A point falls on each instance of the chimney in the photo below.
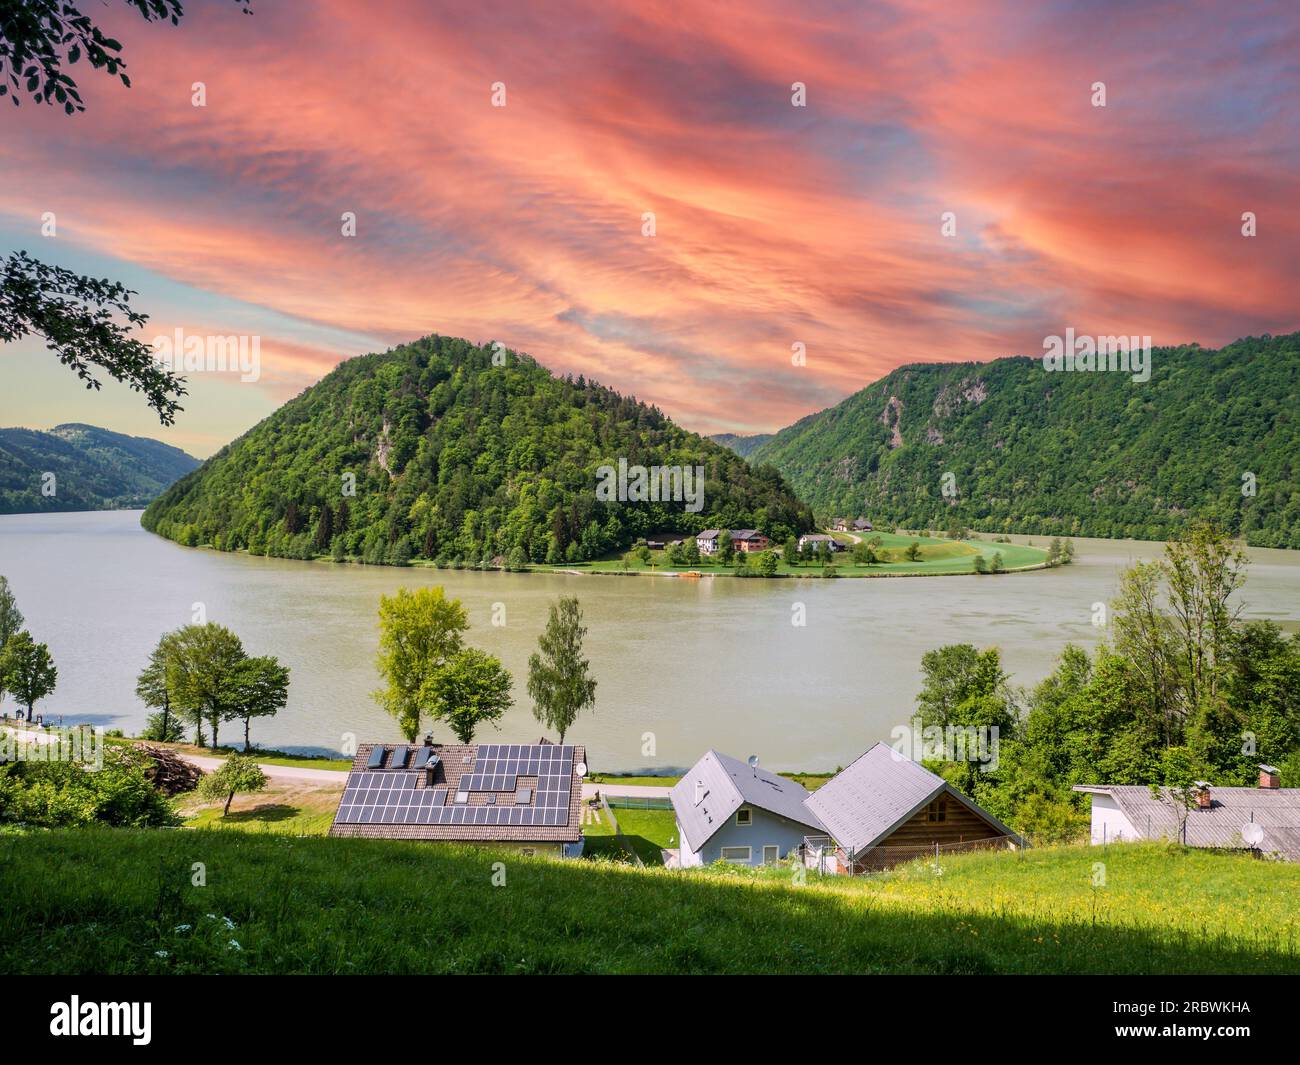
(1203, 798)
(428, 739)
(1269, 777)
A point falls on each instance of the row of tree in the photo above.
(1182, 690)
(200, 675)
(431, 675)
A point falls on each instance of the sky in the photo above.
(774, 225)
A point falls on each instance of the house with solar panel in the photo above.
(507, 795)
(731, 811)
(885, 809)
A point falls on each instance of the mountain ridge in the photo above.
(75, 466)
(1068, 453)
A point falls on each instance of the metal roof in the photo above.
(724, 785)
(866, 801)
(1152, 817)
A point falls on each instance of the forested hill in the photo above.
(82, 467)
(1090, 454)
(458, 459)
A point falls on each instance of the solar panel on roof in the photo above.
(376, 757)
(422, 757)
(399, 758)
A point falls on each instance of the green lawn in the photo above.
(648, 832)
(121, 901)
(939, 556)
(296, 808)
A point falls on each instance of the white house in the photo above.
(730, 811)
(1265, 818)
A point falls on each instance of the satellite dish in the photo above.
(581, 769)
(753, 761)
(1252, 833)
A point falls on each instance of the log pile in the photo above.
(168, 771)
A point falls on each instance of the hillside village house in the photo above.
(746, 540)
(735, 812)
(858, 525)
(883, 809)
(1265, 818)
(509, 795)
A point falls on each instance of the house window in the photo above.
(527, 852)
(744, 816)
(938, 810)
(739, 855)
(771, 854)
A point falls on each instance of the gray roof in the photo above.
(865, 802)
(1276, 810)
(727, 784)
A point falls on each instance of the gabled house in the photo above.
(731, 811)
(521, 796)
(707, 541)
(749, 540)
(862, 525)
(1264, 818)
(885, 809)
(746, 540)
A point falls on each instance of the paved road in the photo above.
(282, 772)
(207, 764)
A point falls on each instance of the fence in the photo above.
(637, 802)
(618, 833)
(821, 853)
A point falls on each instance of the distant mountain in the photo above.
(741, 445)
(92, 468)
(443, 449)
(1212, 434)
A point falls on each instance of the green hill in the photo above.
(455, 457)
(1083, 454)
(116, 901)
(94, 469)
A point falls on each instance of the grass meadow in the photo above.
(123, 901)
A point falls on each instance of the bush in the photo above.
(65, 794)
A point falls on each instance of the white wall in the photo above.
(1109, 825)
(686, 858)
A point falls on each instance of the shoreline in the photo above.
(570, 570)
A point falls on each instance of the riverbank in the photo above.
(935, 557)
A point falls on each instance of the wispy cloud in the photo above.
(774, 224)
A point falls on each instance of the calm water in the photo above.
(697, 663)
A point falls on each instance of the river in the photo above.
(682, 665)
